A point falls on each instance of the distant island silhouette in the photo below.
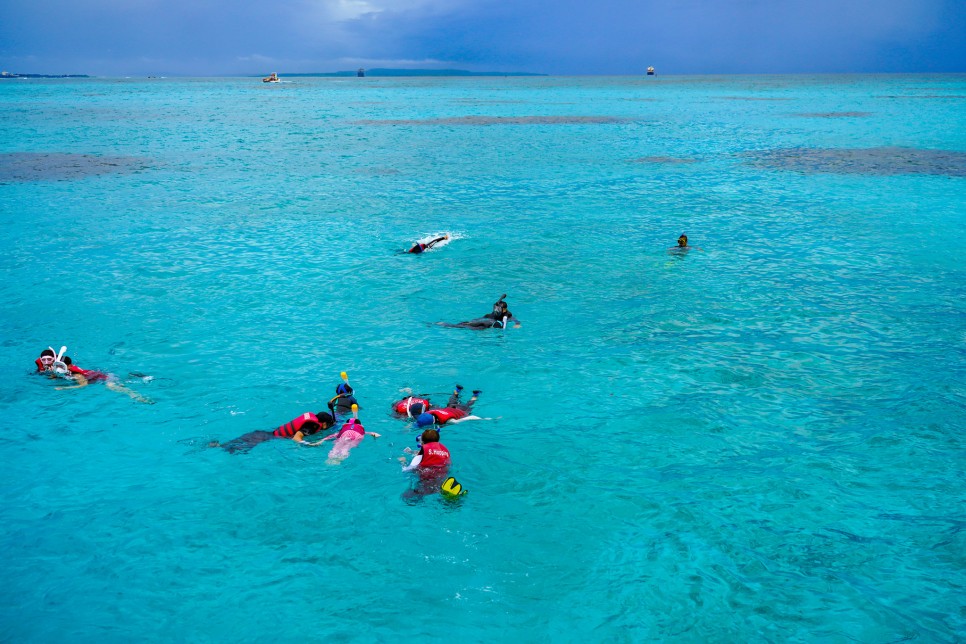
(12, 75)
(408, 72)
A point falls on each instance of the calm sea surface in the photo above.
(759, 440)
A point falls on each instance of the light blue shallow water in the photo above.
(758, 441)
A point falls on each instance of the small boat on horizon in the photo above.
(361, 73)
(650, 71)
(271, 79)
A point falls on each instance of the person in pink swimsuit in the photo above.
(348, 437)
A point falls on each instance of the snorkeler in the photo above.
(431, 464)
(454, 412)
(682, 246)
(84, 377)
(348, 436)
(432, 459)
(418, 247)
(296, 429)
(46, 360)
(499, 318)
(501, 312)
(410, 407)
(344, 399)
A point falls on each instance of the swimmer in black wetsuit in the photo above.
(418, 248)
(499, 318)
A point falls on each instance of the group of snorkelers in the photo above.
(430, 462)
(432, 459)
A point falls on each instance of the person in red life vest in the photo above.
(410, 407)
(52, 363)
(84, 377)
(46, 360)
(431, 463)
(432, 459)
(454, 411)
(296, 429)
(419, 248)
(349, 435)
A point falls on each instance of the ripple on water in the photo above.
(833, 115)
(663, 160)
(500, 120)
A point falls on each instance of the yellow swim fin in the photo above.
(452, 488)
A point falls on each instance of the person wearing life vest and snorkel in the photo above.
(418, 247)
(46, 360)
(454, 412)
(410, 407)
(52, 363)
(296, 429)
(349, 436)
(431, 463)
(432, 459)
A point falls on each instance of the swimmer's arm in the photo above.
(417, 459)
(318, 442)
(373, 434)
(79, 379)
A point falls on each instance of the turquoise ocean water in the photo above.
(761, 440)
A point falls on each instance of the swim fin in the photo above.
(452, 488)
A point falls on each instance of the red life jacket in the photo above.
(434, 455)
(401, 407)
(447, 413)
(89, 374)
(289, 429)
(352, 425)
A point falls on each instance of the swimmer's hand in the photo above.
(402, 459)
(374, 434)
(408, 450)
(309, 444)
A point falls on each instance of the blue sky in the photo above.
(221, 37)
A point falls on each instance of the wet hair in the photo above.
(416, 409)
(683, 238)
(429, 436)
(48, 352)
(344, 388)
(67, 361)
(326, 419)
(310, 427)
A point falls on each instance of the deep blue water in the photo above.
(758, 440)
